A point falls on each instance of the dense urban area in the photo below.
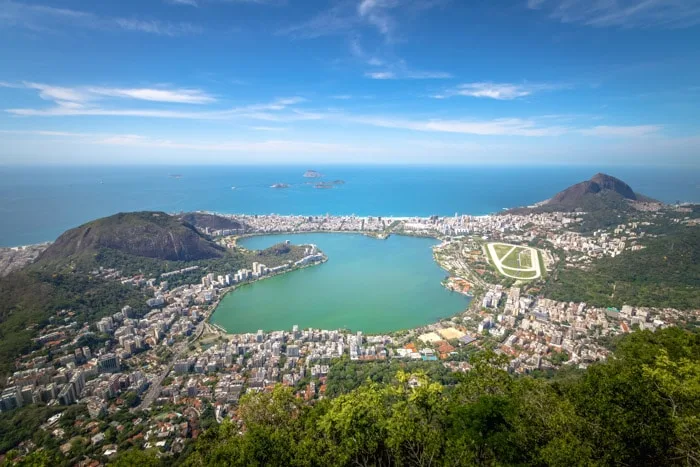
(156, 377)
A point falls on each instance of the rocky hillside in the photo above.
(204, 220)
(600, 185)
(147, 234)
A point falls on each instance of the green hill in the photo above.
(146, 234)
(205, 220)
(666, 273)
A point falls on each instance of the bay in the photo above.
(367, 285)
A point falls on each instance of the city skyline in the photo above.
(366, 81)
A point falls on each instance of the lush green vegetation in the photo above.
(640, 408)
(22, 424)
(346, 375)
(664, 274)
(31, 299)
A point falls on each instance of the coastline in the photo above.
(444, 283)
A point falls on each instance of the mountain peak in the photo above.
(600, 183)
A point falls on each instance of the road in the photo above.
(178, 350)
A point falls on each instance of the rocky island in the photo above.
(280, 185)
(328, 185)
(312, 174)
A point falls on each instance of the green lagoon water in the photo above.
(366, 285)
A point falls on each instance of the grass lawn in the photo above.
(525, 275)
(501, 250)
(525, 258)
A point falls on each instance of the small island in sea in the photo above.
(280, 185)
(328, 185)
(312, 174)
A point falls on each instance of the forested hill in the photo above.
(146, 234)
(205, 220)
(639, 408)
(666, 273)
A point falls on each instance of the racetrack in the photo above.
(508, 260)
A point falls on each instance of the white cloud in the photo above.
(276, 110)
(44, 133)
(402, 73)
(272, 146)
(376, 12)
(351, 16)
(623, 131)
(184, 2)
(527, 127)
(498, 91)
(57, 93)
(497, 127)
(358, 52)
(666, 14)
(47, 18)
(268, 128)
(71, 97)
(180, 96)
(334, 21)
(380, 75)
(158, 27)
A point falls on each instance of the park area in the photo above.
(514, 261)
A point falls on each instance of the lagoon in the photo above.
(367, 285)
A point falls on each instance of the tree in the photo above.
(136, 457)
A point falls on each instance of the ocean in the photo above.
(38, 203)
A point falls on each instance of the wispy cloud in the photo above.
(57, 93)
(350, 16)
(524, 127)
(339, 19)
(273, 146)
(497, 127)
(380, 75)
(268, 128)
(183, 2)
(158, 27)
(403, 73)
(44, 133)
(383, 68)
(361, 54)
(376, 12)
(498, 91)
(47, 18)
(623, 131)
(669, 14)
(84, 94)
(180, 96)
(73, 102)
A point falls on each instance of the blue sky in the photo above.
(366, 81)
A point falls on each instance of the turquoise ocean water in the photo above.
(37, 204)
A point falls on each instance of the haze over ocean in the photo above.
(38, 203)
